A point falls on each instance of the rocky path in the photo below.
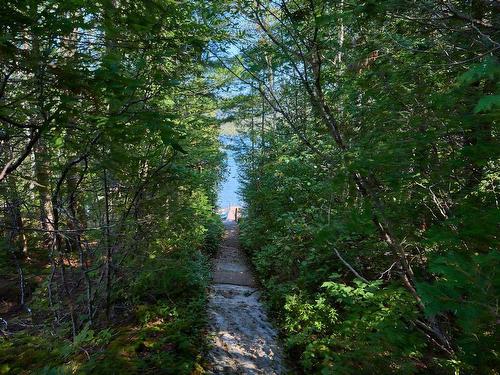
(244, 342)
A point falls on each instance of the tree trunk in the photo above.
(43, 186)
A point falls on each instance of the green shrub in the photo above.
(357, 329)
(467, 288)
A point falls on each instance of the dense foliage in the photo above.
(371, 179)
(109, 168)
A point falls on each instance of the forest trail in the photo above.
(244, 342)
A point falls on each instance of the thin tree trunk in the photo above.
(14, 235)
(108, 245)
(43, 186)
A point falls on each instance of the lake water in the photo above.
(228, 193)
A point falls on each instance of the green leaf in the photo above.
(324, 20)
(178, 147)
(487, 69)
(487, 104)
(58, 142)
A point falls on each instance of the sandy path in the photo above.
(244, 342)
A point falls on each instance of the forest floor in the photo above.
(243, 340)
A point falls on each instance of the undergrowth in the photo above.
(157, 326)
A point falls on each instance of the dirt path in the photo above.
(244, 342)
